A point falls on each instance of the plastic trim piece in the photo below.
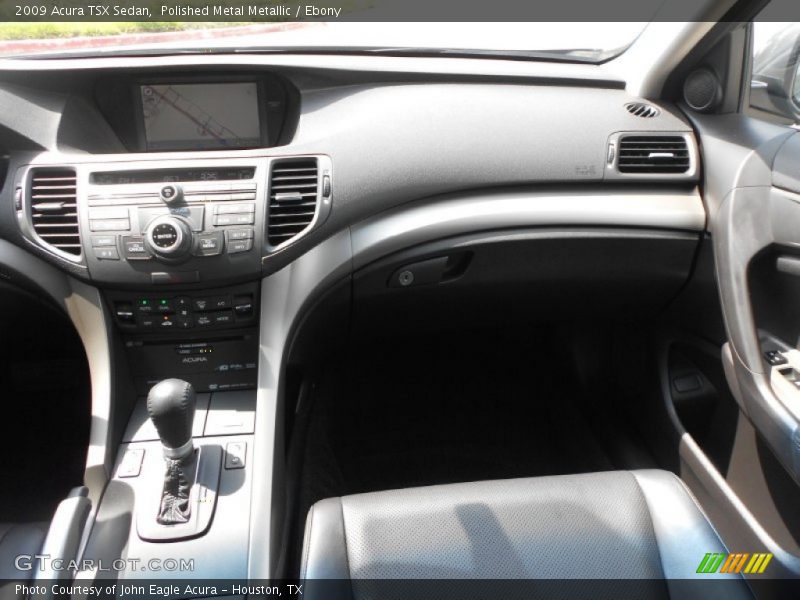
(84, 306)
(64, 535)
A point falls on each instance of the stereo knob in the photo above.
(171, 194)
(169, 237)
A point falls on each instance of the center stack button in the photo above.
(208, 244)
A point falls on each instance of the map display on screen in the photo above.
(200, 116)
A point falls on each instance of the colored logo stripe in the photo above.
(718, 562)
(758, 563)
(710, 563)
(734, 563)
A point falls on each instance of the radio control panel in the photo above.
(182, 221)
(197, 230)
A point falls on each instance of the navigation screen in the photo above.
(199, 116)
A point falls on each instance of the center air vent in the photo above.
(640, 109)
(646, 154)
(54, 208)
(293, 194)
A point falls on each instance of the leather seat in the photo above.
(641, 528)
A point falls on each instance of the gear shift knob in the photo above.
(171, 405)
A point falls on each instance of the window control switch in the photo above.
(775, 358)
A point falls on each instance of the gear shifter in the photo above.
(171, 406)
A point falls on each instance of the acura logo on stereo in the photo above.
(194, 359)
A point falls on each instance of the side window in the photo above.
(775, 85)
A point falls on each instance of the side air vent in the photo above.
(54, 208)
(640, 109)
(293, 194)
(645, 154)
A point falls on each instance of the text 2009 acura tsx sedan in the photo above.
(458, 316)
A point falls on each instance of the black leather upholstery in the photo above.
(171, 405)
(625, 525)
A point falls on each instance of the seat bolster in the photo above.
(683, 533)
(325, 546)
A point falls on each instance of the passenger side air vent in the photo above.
(54, 208)
(640, 109)
(293, 194)
(640, 154)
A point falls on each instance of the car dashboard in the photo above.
(189, 211)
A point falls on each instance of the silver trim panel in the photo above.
(84, 306)
(659, 209)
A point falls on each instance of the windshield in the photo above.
(583, 42)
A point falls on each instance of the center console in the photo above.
(166, 227)
(208, 340)
(176, 248)
(206, 337)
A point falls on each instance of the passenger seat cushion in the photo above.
(641, 525)
(498, 530)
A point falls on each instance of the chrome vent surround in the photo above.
(52, 196)
(293, 198)
(643, 110)
(653, 155)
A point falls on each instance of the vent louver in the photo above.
(653, 154)
(640, 109)
(293, 194)
(54, 208)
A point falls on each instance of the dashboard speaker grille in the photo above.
(653, 154)
(702, 90)
(640, 109)
(54, 208)
(293, 195)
